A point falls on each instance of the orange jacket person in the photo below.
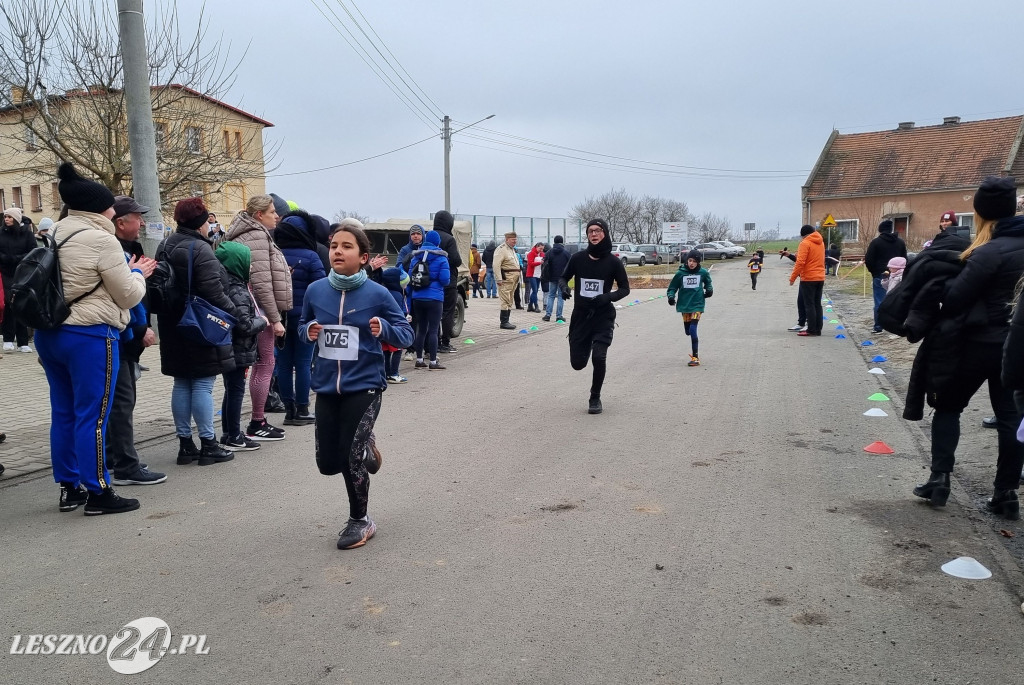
(810, 269)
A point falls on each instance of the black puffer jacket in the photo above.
(947, 240)
(247, 325)
(15, 242)
(179, 357)
(911, 309)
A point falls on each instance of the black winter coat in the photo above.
(912, 308)
(15, 242)
(179, 357)
(132, 349)
(248, 325)
(555, 261)
(947, 240)
(449, 245)
(881, 250)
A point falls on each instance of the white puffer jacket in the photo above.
(95, 256)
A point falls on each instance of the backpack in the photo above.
(420, 276)
(37, 292)
(162, 292)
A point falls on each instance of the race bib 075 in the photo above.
(591, 287)
(340, 343)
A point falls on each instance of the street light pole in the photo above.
(446, 138)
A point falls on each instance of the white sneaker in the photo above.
(797, 327)
(9, 347)
(408, 357)
(803, 328)
(24, 348)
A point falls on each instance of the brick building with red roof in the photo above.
(910, 175)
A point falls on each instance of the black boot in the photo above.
(302, 415)
(505, 325)
(595, 405)
(187, 451)
(1005, 504)
(289, 414)
(213, 453)
(936, 489)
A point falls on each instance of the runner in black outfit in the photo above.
(593, 317)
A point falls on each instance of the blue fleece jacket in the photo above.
(437, 262)
(306, 268)
(329, 307)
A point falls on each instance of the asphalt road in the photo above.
(718, 524)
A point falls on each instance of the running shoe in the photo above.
(356, 533)
(261, 431)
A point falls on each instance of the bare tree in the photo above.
(711, 227)
(61, 79)
(345, 214)
(631, 219)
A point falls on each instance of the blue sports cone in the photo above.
(867, 343)
(879, 359)
(840, 337)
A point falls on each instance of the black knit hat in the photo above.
(806, 230)
(885, 226)
(694, 254)
(191, 213)
(996, 198)
(81, 193)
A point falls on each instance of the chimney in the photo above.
(950, 121)
(905, 126)
(17, 95)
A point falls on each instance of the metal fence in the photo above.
(530, 229)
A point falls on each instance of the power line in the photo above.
(436, 111)
(641, 161)
(666, 172)
(385, 79)
(357, 161)
(648, 172)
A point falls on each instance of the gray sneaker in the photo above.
(141, 476)
(356, 533)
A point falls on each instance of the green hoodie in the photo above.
(691, 286)
(236, 258)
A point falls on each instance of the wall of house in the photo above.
(923, 209)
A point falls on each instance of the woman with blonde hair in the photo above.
(975, 317)
(271, 283)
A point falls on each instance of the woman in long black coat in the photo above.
(992, 266)
(194, 367)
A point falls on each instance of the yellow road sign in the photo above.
(829, 222)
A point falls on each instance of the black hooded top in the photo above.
(443, 224)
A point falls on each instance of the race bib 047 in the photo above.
(340, 343)
(591, 287)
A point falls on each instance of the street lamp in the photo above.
(446, 137)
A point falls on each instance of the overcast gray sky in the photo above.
(746, 86)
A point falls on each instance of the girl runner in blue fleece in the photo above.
(348, 316)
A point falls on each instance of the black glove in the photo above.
(602, 299)
(708, 294)
(566, 292)
(671, 301)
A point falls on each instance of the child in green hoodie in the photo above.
(237, 261)
(692, 283)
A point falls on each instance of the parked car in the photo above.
(738, 250)
(628, 254)
(654, 254)
(712, 251)
(729, 252)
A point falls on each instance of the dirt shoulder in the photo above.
(976, 453)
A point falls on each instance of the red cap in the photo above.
(948, 216)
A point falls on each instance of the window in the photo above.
(37, 198)
(850, 228)
(197, 190)
(160, 133)
(227, 143)
(193, 139)
(3, 200)
(55, 196)
(16, 198)
(966, 221)
(238, 144)
(235, 197)
(30, 140)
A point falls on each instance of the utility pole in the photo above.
(446, 136)
(141, 138)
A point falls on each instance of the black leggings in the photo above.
(579, 354)
(344, 426)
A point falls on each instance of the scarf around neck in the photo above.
(339, 282)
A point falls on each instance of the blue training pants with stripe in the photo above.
(81, 367)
